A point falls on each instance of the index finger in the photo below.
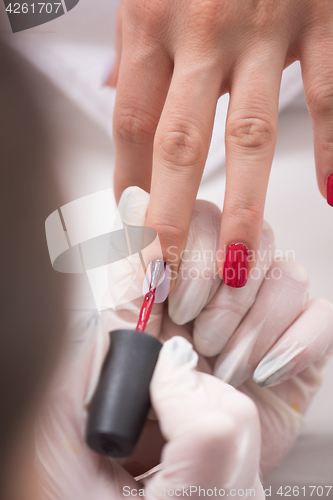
(250, 138)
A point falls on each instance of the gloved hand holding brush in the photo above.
(265, 339)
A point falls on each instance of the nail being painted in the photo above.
(156, 276)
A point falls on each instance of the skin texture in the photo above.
(174, 60)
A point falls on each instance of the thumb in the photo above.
(174, 377)
(125, 277)
(212, 430)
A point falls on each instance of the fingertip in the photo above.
(322, 304)
(174, 372)
(172, 235)
(178, 352)
(236, 265)
(293, 268)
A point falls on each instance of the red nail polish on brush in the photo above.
(329, 190)
(236, 265)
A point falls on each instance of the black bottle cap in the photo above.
(120, 405)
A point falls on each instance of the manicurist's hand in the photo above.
(175, 59)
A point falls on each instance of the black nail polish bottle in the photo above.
(120, 405)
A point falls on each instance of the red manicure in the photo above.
(236, 265)
(329, 189)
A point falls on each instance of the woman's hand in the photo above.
(175, 59)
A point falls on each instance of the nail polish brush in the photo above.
(121, 402)
(157, 272)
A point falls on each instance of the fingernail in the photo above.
(236, 265)
(329, 190)
(158, 276)
(179, 353)
(133, 205)
(275, 365)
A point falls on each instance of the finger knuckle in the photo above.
(250, 132)
(181, 146)
(320, 98)
(244, 212)
(132, 125)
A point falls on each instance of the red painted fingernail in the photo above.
(236, 265)
(329, 190)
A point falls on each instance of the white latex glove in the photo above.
(213, 423)
(212, 430)
(265, 334)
